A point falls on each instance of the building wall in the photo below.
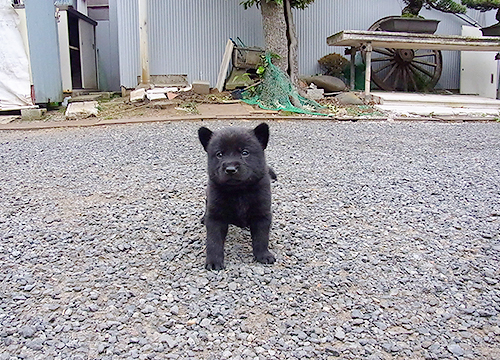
(108, 64)
(189, 36)
(44, 50)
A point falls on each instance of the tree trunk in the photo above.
(293, 61)
(275, 32)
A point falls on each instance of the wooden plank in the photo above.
(395, 40)
(224, 66)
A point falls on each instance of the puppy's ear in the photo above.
(204, 134)
(262, 134)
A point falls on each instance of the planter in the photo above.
(493, 30)
(411, 25)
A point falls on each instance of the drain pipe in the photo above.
(144, 42)
(468, 20)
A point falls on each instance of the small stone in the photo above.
(171, 342)
(148, 309)
(27, 331)
(205, 323)
(232, 286)
(36, 344)
(455, 349)
(356, 314)
(174, 310)
(339, 333)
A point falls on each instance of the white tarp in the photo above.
(15, 87)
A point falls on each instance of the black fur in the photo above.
(238, 191)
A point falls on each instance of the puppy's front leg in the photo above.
(259, 228)
(216, 236)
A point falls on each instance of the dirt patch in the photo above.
(191, 104)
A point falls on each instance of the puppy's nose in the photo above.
(231, 169)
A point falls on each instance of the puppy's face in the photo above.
(235, 155)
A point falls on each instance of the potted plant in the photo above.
(486, 5)
(411, 21)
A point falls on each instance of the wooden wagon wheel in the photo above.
(404, 69)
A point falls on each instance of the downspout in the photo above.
(144, 42)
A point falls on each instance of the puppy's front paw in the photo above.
(214, 264)
(265, 258)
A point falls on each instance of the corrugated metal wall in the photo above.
(185, 36)
(189, 36)
(44, 51)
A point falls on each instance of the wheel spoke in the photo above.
(383, 58)
(396, 78)
(425, 63)
(388, 52)
(383, 67)
(422, 70)
(390, 72)
(412, 79)
(405, 79)
(420, 55)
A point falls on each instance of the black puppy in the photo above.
(239, 190)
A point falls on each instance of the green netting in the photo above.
(276, 92)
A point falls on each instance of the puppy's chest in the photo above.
(236, 209)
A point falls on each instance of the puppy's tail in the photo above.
(272, 174)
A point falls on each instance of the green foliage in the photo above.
(333, 64)
(297, 4)
(482, 5)
(413, 7)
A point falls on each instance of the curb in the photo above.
(89, 122)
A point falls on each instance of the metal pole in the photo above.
(144, 43)
(368, 71)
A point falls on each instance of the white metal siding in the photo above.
(128, 42)
(189, 36)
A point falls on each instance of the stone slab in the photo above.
(81, 110)
(32, 114)
(138, 95)
(201, 87)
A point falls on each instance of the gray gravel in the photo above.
(386, 236)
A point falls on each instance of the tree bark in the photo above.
(293, 61)
(275, 32)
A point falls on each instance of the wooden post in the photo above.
(144, 42)
(368, 71)
(353, 67)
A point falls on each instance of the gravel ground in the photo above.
(386, 236)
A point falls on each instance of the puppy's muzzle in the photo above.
(231, 169)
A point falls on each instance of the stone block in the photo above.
(138, 95)
(315, 94)
(155, 96)
(201, 87)
(32, 114)
(81, 110)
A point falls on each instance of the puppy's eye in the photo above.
(218, 154)
(245, 153)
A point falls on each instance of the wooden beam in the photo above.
(224, 66)
(395, 40)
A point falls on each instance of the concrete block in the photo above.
(138, 95)
(81, 110)
(155, 96)
(32, 114)
(201, 87)
(315, 94)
